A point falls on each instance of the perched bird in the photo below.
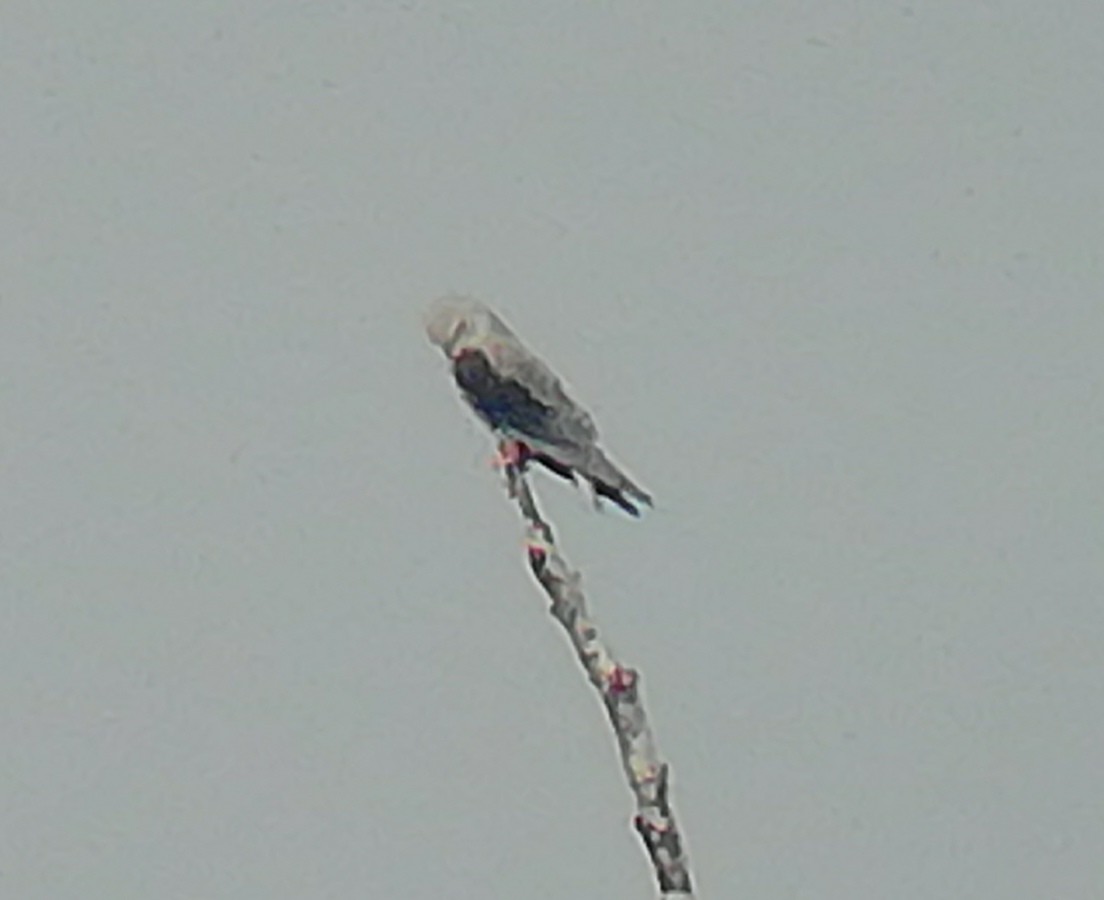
(522, 401)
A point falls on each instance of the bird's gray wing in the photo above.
(568, 434)
(568, 422)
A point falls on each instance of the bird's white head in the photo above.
(454, 323)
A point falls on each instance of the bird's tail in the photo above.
(610, 482)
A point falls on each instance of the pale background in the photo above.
(829, 276)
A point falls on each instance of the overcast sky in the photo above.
(828, 275)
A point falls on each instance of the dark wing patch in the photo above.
(502, 402)
(554, 465)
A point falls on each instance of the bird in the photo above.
(522, 401)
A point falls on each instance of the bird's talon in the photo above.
(510, 453)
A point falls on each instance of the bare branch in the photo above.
(618, 685)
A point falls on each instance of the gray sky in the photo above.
(827, 274)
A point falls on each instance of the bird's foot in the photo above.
(511, 454)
